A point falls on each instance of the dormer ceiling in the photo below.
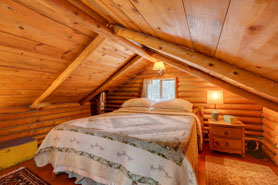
(39, 39)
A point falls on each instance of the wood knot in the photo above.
(255, 28)
(259, 67)
(210, 64)
(235, 73)
(21, 27)
(159, 47)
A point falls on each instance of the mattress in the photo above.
(125, 148)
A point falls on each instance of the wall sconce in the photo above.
(215, 97)
(159, 66)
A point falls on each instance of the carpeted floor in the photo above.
(221, 171)
(22, 176)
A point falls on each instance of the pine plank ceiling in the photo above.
(38, 41)
(239, 32)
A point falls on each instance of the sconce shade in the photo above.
(215, 97)
(158, 66)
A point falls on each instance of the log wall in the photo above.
(270, 127)
(194, 90)
(18, 122)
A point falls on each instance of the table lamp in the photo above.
(215, 97)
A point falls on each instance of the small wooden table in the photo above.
(226, 137)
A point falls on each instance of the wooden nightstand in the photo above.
(226, 137)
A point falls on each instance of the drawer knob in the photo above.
(226, 133)
(227, 144)
(217, 143)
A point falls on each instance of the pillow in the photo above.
(134, 109)
(174, 105)
(138, 102)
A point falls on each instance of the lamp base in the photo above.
(215, 115)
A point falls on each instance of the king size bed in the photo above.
(133, 145)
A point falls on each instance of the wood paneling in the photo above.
(69, 70)
(249, 36)
(169, 20)
(99, 66)
(205, 21)
(39, 39)
(35, 47)
(18, 122)
(270, 127)
(239, 32)
(233, 75)
(194, 90)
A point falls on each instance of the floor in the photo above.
(46, 171)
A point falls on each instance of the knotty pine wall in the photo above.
(18, 122)
(270, 127)
(194, 90)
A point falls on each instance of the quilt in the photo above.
(123, 148)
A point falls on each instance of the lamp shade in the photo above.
(158, 66)
(215, 97)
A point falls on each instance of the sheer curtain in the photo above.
(145, 90)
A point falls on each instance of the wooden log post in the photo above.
(228, 72)
(220, 83)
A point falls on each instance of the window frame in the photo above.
(161, 82)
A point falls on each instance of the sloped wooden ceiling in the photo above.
(239, 32)
(39, 39)
(38, 42)
(221, 29)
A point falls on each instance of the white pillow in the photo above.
(138, 102)
(134, 109)
(175, 104)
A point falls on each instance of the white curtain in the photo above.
(145, 88)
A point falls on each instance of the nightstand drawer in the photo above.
(233, 133)
(226, 143)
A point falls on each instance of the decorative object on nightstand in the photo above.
(227, 137)
(230, 119)
(215, 97)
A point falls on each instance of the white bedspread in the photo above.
(123, 148)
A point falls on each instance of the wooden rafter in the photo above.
(67, 72)
(268, 88)
(101, 29)
(220, 83)
(113, 78)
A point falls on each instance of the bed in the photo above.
(127, 146)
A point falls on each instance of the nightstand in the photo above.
(226, 137)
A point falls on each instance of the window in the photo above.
(161, 89)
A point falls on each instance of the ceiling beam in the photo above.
(105, 85)
(232, 74)
(68, 71)
(101, 29)
(218, 82)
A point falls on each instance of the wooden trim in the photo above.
(220, 83)
(113, 78)
(67, 72)
(204, 63)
